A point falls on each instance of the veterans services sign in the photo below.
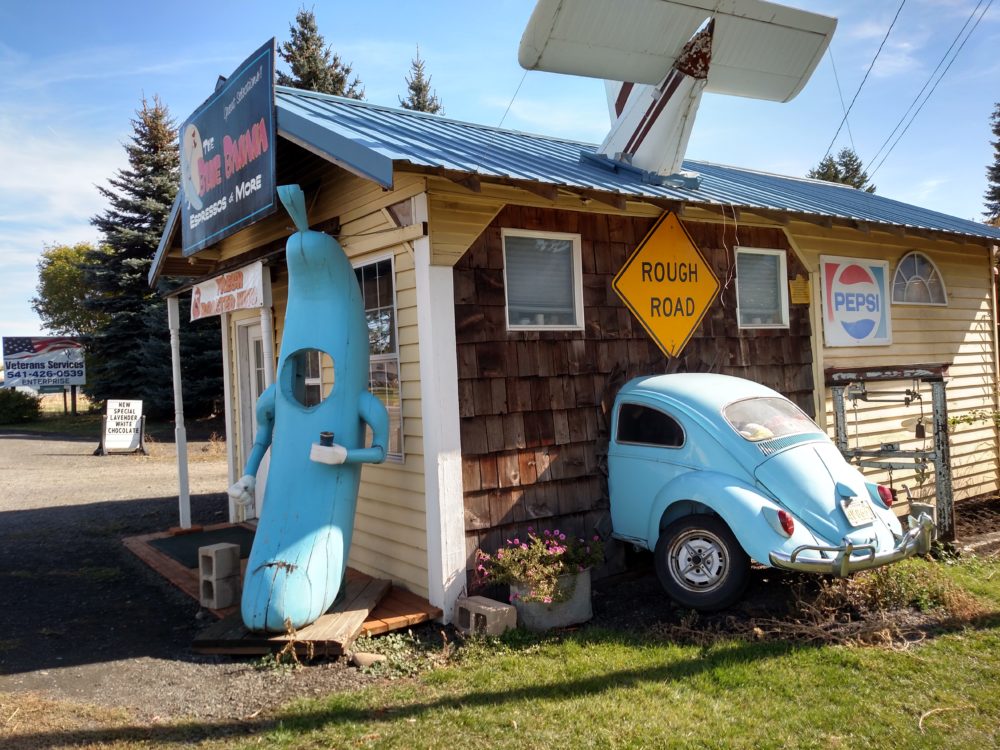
(855, 296)
(227, 155)
(35, 362)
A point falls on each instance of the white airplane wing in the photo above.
(761, 50)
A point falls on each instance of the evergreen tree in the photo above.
(128, 352)
(420, 97)
(992, 212)
(313, 66)
(846, 168)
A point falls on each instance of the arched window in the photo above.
(918, 282)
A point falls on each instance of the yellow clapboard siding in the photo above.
(376, 563)
(377, 526)
(960, 333)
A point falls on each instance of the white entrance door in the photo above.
(250, 372)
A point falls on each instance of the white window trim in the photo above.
(782, 287)
(577, 277)
(367, 260)
(892, 283)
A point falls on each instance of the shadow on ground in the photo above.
(72, 594)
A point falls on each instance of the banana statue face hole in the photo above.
(307, 376)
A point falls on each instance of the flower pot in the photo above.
(541, 616)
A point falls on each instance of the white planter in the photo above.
(541, 616)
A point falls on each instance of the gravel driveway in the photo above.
(82, 620)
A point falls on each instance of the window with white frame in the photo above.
(761, 288)
(542, 280)
(917, 281)
(377, 282)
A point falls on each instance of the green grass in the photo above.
(599, 688)
(57, 423)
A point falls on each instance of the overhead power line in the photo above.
(861, 85)
(929, 79)
(843, 106)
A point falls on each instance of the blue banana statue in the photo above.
(299, 555)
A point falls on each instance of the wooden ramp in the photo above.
(370, 606)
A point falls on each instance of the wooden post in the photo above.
(72, 398)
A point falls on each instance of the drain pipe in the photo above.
(180, 434)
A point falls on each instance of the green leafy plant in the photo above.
(537, 562)
(18, 406)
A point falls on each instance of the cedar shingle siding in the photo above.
(535, 405)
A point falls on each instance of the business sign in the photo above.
(227, 156)
(33, 362)
(122, 427)
(855, 296)
(667, 285)
(241, 289)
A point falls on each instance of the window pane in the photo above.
(757, 280)
(918, 282)
(540, 283)
(640, 424)
(768, 417)
(376, 281)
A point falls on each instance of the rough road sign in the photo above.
(667, 285)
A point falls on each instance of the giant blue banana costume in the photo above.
(299, 554)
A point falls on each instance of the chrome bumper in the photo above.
(916, 541)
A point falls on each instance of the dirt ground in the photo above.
(83, 621)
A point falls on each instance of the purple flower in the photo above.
(597, 538)
(547, 532)
(562, 537)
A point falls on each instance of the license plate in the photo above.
(858, 512)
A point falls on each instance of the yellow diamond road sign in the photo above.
(667, 285)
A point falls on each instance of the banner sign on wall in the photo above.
(33, 362)
(227, 156)
(241, 289)
(855, 295)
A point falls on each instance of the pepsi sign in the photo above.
(855, 302)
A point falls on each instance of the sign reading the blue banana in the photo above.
(227, 152)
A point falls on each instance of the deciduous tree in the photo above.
(314, 66)
(61, 290)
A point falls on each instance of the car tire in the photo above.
(700, 563)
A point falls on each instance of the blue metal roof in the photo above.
(430, 141)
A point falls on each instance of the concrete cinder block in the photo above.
(218, 561)
(219, 593)
(477, 614)
(916, 508)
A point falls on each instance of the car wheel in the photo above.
(700, 563)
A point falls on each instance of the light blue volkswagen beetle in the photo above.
(711, 471)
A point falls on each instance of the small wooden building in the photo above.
(487, 257)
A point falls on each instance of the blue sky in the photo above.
(73, 73)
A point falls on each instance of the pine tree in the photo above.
(313, 66)
(420, 97)
(846, 168)
(992, 212)
(128, 353)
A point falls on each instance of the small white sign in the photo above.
(241, 289)
(855, 297)
(123, 426)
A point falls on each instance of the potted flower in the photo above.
(548, 575)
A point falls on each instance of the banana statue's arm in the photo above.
(373, 413)
(242, 490)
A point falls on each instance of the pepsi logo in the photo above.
(854, 301)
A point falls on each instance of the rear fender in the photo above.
(750, 515)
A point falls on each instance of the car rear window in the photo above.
(759, 419)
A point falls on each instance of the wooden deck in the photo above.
(370, 606)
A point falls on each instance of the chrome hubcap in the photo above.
(698, 561)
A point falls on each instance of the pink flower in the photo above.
(597, 538)
(562, 537)
(547, 599)
(517, 541)
(547, 532)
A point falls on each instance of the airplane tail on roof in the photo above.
(657, 57)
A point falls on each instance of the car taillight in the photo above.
(887, 494)
(787, 522)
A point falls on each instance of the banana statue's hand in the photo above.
(242, 491)
(333, 455)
